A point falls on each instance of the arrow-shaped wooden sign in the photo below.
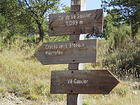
(67, 52)
(82, 82)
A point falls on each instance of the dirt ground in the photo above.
(11, 99)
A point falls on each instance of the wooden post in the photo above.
(81, 65)
(76, 5)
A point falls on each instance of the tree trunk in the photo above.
(41, 31)
(134, 27)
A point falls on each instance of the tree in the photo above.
(38, 10)
(10, 12)
(129, 11)
(2, 22)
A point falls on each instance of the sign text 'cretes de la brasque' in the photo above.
(67, 52)
(56, 49)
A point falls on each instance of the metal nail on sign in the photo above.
(67, 52)
(82, 82)
(76, 23)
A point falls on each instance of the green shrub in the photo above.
(86, 103)
(122, 58)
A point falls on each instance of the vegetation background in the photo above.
(24, 27)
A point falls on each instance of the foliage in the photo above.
(121, 31)
(25, 22)
(15, 18)
(16, 21)
(128, 12)
(86, 103)
(111, 22)
(38, 10)
(118, 37)
(66, 9)
(123, 59)
(2, 22)
(26, 18)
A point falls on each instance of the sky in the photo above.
(90, 4)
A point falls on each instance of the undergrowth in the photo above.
(22, 74)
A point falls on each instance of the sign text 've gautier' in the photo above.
(77, 81)
(82, 82)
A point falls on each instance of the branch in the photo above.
(30, 8)
(46, 7)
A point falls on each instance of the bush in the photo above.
(86, 103)
(124, 60)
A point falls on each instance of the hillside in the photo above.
(24, 81)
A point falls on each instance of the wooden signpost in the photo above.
(76, 6)
(67, 52)
(82, 82)
(76, 23)
(75, 51)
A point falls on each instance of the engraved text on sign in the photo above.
(76, 23)
(67, 52)
(82, 82)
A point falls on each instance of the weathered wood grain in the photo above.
(82, 82)
(75, 99)
(76, 23)
(67, 52)
(72, 99)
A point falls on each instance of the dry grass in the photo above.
(22, 74)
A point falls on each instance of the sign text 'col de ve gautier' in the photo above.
(76, 23)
